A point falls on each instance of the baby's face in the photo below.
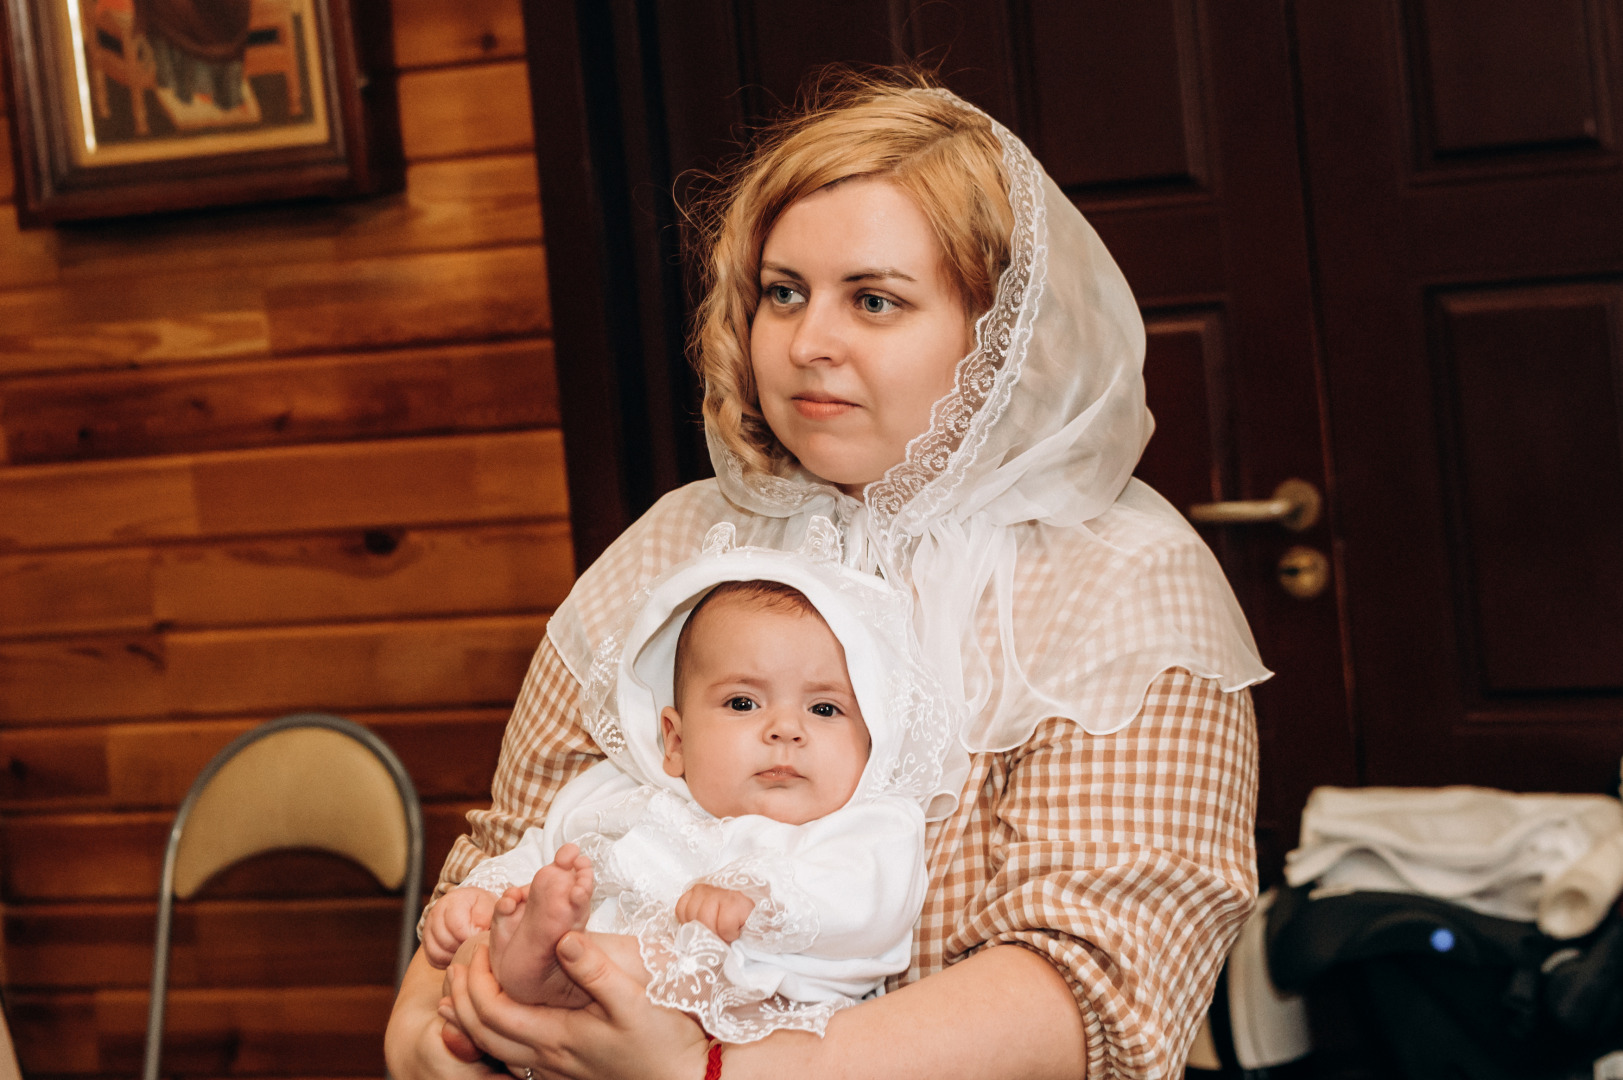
(768, 723)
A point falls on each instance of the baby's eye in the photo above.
(783, 294)
(740, 704)
(825, 709)
(876, 305)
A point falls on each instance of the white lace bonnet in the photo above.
(902, 704)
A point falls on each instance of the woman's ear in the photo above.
(670, 726)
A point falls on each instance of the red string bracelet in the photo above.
(712, 1065)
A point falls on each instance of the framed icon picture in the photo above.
(135, 106)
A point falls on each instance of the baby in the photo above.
(763, 842)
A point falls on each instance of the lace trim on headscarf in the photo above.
(936, 462)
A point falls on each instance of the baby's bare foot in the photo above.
(524, 932)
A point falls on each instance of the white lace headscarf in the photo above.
(1047, 582)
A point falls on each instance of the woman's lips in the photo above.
(813, 408)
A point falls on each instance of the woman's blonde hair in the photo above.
(848, 125)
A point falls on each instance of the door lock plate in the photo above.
(1303, 572)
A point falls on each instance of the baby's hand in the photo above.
(460, 914)
(722, 910)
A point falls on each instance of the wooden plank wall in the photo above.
(253, 461)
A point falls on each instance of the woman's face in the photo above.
(858, 331)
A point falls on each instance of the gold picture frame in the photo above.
(135, 106)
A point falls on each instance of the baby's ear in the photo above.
(670, 726)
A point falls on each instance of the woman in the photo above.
(909, 330)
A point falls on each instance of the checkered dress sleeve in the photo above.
(1125, 859)
(544, 748)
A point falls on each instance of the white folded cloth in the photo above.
(1496, 852)
(1577, 900)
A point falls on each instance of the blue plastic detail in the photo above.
(1442, 939)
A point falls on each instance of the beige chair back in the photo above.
(302, 787)
(9, 1068)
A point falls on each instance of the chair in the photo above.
(118, 53)
(9, 1068)
(273, 46)
(304, 781)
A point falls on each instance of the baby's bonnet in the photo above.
(910, 722)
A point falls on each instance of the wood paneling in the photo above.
(370, 573)
(161, 339)
(448, 205)
(276, 308)
(307, 1031)
(432, 32)
(256, 460)
(143, 766)
(119, 856)
(499, 292)
(337, 667)
(140, 414)
(465, 110)
(344, 942)
(298, 489)
(30, 255)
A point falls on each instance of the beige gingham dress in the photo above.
(1125, 858)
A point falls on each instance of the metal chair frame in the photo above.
(411, 884)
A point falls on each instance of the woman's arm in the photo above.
(1003, 1014)
(1128, 861)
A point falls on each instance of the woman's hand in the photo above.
(413, 1045)
(620, 1036)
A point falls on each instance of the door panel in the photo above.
(1191, 458)
(1491, 79)
(1534, 444)
(1116, 94)
(1466, 193)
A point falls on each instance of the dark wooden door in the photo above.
(1467, 201)
(1377, 244)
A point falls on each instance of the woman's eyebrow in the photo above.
(879, 273)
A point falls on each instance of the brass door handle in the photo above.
(1296, 504)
